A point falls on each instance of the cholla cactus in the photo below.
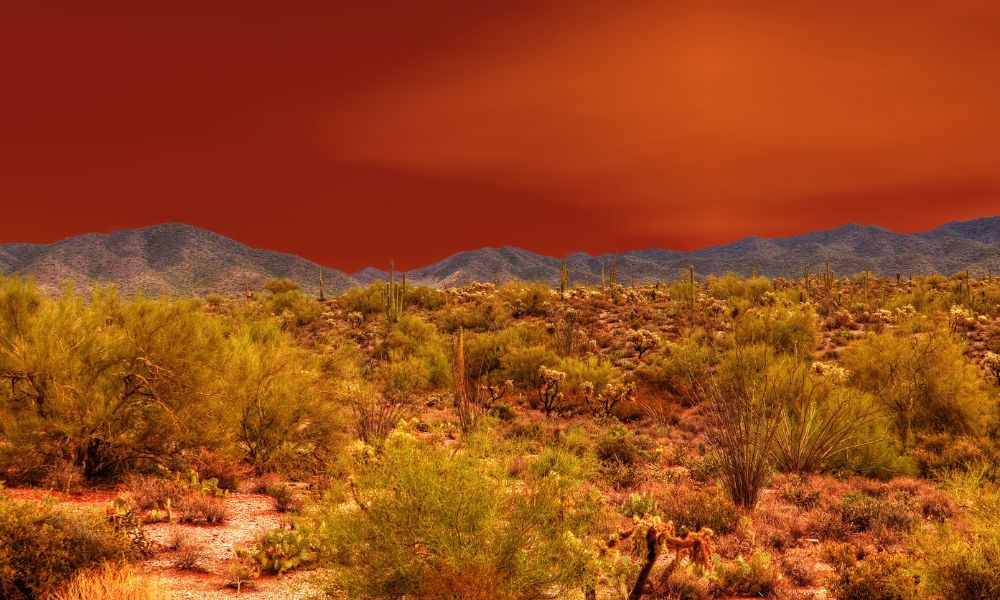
(642, 340)
(660, 537)
(355, 319)
(992, 364)
(549, 393)
(605, 401)
(961, 318)
(830, 371)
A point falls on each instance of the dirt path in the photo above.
(249, 516)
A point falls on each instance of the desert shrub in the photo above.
(521, 364)
(731, 286)
(194, 507)
(617, 444)
(418, 358)
(959, 568)
(562, 462)
(922, 379)
(875, 576)
(106, 385)
(788, 331)
(213, 465)
(285, 498)
(279, 409)
(188, 552)
(531, 299)
(43, 546)
(678, 367)
(799, 566)
(294, 308)
(590, 370)
(691, 509)
(152, 491)
(819, 420)
(111, 581)
(864, 512)
(64, 477)
(475, 530)
(940, 452)
(797, 491)
(756, 576)
(366, 300)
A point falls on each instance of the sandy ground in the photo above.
(249, 516)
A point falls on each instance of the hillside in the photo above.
(850, 248)
(171, 258)
(174, 258)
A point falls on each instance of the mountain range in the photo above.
(179, 259)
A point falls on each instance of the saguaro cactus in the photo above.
(563, 280)
(393, 295)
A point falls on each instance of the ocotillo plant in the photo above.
(393, 295)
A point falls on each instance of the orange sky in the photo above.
(356, 133)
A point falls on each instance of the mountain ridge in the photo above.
(175, 258)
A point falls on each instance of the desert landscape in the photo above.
(710, 436)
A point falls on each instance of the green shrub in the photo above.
(692, 509)
(43, 546)
(640, 505)
(875, 576)
(618, 445)
(922, 379)
(864, 512)
(755, 577)
(959, 568)
(452, 528)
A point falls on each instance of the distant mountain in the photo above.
(179, 259)
(172, 258)
(850, 248)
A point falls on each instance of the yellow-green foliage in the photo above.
(111, 582)
(453, 528)
(733, 287)
(417, 358)
(42, 546)
(922, 379)
(103, 383)
(874, 576)
(110, 385)
(788, 330)
(276, 401)
(367, 300)
(679, 367)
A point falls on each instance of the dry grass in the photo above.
(111, 582)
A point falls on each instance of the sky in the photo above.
(355, 133)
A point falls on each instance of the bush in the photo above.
(957, 568)
(618, 445)
(111, 582)
(476, 531)
(692, 509)
(285, 498)
(43, 546)
(863, 512)
(876, 576)
(754, 577)
(922, 379)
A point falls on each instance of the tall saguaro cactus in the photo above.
(563, 280)
(393, 295)
(322, 289)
